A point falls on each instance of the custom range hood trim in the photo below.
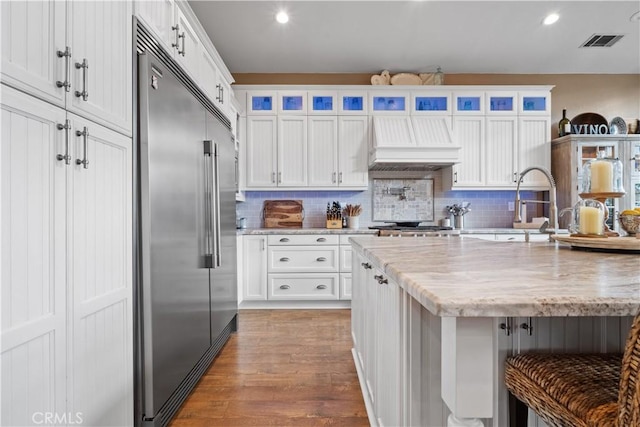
(406, 143)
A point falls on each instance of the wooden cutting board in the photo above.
(616, 244)
(283, 213)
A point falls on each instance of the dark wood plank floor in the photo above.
(282, 368)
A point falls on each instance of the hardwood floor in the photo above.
(282, 368)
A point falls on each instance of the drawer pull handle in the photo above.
(321, 287)
(284, 259)
(366, 265)
(284, 239)
(321, 259)
(285, 287)
(321, 239)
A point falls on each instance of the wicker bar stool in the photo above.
(577, 390)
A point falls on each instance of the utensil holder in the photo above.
(353, 222)
(458, 222)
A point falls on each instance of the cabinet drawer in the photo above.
(282, 259)
(307, 287)
(303, 239)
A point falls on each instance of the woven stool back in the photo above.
(629, 397)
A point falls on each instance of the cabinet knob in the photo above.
(285, 287)
(284, 259)
(380, 278)
(366, 265)
(321, 287)
(321, 259)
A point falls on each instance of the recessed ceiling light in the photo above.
(282, 17)
(551, 19)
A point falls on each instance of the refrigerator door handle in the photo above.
(208, 211)
(216, 206)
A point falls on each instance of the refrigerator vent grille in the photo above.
(146, 42)
(602, 40)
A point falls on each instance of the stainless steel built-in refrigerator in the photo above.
(187, 298)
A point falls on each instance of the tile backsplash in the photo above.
(489, 209)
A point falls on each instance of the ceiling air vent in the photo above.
(602, 40)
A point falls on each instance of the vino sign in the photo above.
(597, 129)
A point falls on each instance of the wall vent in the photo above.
(602, 40)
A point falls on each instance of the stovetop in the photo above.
(396, 227)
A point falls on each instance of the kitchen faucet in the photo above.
(553, 208)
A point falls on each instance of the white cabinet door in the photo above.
(502, 134)
(32, 34)
(388, 347)
(470, 132)
(345, 286)
(261, 151)
(254, 261)
(189, 47)
(100, 38)
(208, 74)
(323, 150)
(353, 145)
(292, 151)
(33, 322)
(158, 16)
(534, 149)
(100, 276)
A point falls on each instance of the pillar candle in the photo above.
(591, 220)
(601, 177)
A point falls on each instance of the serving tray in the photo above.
(609, 244)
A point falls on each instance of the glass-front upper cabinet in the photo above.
(534, 103)
(389, 103)
(352, 103)
(468, 103)
(261, 102)
(292, 102)
(431, 103)
(501, 103)
(322, 102)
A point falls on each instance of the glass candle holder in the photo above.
(587, 217)
(602, 175)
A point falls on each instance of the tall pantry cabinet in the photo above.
(66, 183)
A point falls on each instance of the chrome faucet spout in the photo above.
(553, 208)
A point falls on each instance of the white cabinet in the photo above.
(261, 145)
(276, 151)
(471, 135)
(32, 35)
(337, 151)
(254, 267)
(353, 143)
(74, 54)
(323, 151)
(158, 16)
(501, 134)
(67, 265)
(101, 62)
(533, 149)
(188, 46)
(502, 138)
(292, 151)
(295, 267)
(34, 260)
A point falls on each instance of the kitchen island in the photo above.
(434, 319)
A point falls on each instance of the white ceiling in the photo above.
(416, 36)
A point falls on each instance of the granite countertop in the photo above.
(471, 277)
(254, 231)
